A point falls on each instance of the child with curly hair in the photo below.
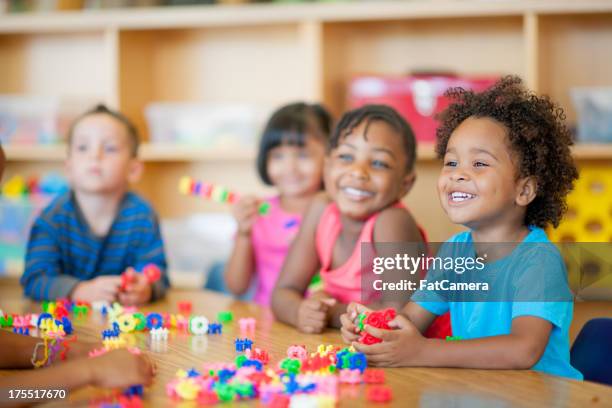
(507, 170)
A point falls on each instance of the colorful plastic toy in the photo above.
(297, 352)
(225, 317)
(160, 334)
(198, 325)
(247, 324)
(374, 376)
(243, 344)
(215, 328)
(189, 186)
(379, 319)
(379, 393)
(185, 308)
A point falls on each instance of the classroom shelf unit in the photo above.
(275, 53)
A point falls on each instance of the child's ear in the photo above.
(407, 183)
(527, 191)
(135, 170)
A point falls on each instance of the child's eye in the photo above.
(450, 163)
(345, 157)
(81, 148)
(276, 155)
(303, 154)
(110, 149)
(480, 164)
(380, 164)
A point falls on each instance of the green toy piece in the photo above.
(264, 208)
(453, 338)
(240, 360)
(292, 366)
(225, 317)
(362, 317)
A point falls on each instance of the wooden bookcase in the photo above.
(273, 54)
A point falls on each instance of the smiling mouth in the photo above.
(459, 197)
(356, 193)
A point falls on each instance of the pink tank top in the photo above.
(344, 282)
(271, 237)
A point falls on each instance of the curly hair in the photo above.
(537, 135)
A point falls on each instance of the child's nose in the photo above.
(97, 152)
(459, 175)
(359, 171)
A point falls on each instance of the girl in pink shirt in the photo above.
(290, 158)
(369, 169)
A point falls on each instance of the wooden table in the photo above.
(411, 386)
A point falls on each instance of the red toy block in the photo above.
(379, 393)
(185, 308)
(374, 376)
(152, 273)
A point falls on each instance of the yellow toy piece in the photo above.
(127, 323)
(187, 389)
(14, 187)
(589, 215)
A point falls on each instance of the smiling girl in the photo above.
(507, 170)
(369, 168)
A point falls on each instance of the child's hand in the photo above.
(138, 291)
(400, 347)
(245, 212)
(80, 349)
(120, 368)
(102, 288)
(313, 314)
(349, 329)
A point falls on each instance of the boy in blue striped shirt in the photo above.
(86, 238)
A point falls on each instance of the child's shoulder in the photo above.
(60, 205)
(395, 224)
(135, 204)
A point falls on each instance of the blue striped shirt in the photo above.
(62, 250)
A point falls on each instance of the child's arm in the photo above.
(117, 368)
(240, 265)
(405, 346)
(149, 251)
(16, 350)
(42, 278)
(301, 263)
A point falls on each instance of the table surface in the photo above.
(411, 386)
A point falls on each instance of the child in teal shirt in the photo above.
(507, 170)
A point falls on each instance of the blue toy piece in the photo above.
(291, 385)
(111, 333)
(225, 375)
(67, 325)
(215, 328)
(154, 321)
(193, 373)
(42, 317)
(134, 390)
(358, 361)
(253, 363)
(22, 330)
(591, 353)
(243, 344)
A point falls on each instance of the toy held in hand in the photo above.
(150, 271)
(379, 319)
(189, 186)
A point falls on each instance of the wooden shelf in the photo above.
(593, 151)
(150, 152)
(259, 14)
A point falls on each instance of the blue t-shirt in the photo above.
(539, 288)
(62, 249)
